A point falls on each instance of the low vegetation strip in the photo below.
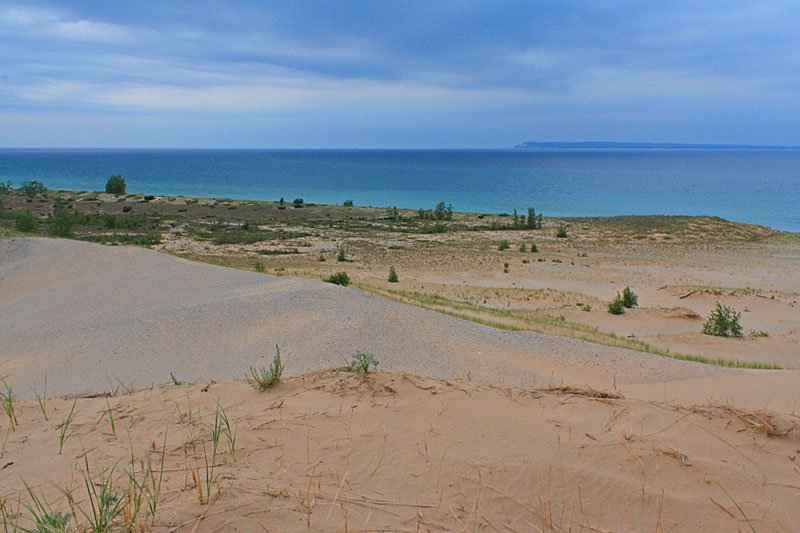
(540, 322)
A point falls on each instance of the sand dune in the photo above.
(395, 452)
(91, 316)
(332, 451)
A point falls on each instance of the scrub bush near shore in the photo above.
(32, 189)
(26, 222)
(393, 275)
(116, 185)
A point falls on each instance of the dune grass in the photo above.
(541, 322)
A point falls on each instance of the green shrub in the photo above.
(523, 248)
(116, 185)
(438, 227)
(533, 221)
(298, 202)
(321, 257)
(60, 223)
(348, 203)
(629, 298)
(723, 322)
(561, 233)
(6, 187)
(505, 268)
(340, 278)
(393, 275)
(33, 188)
(259, 266)
(341, 257)
(262, 378)
(361, 363)
(443, 211)
(26, 222)
(616, 307)
(534, 248)
(503, 245)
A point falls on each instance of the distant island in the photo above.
(647, 146)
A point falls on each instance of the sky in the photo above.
(389, 74)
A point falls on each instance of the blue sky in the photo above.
(378, 74)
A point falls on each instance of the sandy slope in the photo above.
(394, 452)
(328, 451)
(92, 316)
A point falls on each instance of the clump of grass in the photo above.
(222, 426)
(361, 363)
(66, 433)
(534, 248)
(110, 415)
(42, 516)
(504, 245)
(561, 233)
(616, 306)
(723, 322)
(105, 506)
(760, 333)
(505, 268)
(523, 248)
(321, 257)
(585, 307)
(7, 399)
(342, 257)
(393, 275)
(339, 278)
(629, 298)
(260, 267)
(41, 399)
(263, 378)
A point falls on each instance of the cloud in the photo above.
(545, 67)
(47, 24)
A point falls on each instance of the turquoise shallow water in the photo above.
(753, 185)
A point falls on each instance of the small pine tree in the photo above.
(629, 298)
(534, 248)
(615, 307)
(723, 322)
(393, 275)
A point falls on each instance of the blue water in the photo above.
(756, 186)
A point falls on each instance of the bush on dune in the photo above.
(339, 278)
